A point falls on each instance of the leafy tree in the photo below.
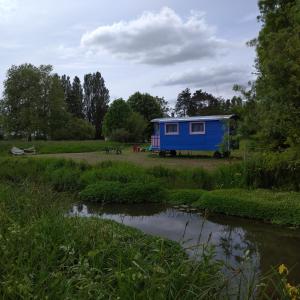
(136, 126)
(278, 66)
(122, 124)
(58, 116)
(116, 117)
(26, 89)
(245, 107)
(76, 99)
(96, 99)
(148, 106)
(201, 103)
(183, 105)
(67, 87)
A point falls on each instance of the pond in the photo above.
(265, 245)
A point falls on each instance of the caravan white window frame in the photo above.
(172, 133)
(197, 132)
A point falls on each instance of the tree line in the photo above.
(37, 103)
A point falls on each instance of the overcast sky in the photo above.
(155, 46)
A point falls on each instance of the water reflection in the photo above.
(233, 238)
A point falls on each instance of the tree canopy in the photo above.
(122, 124)
(278, 66)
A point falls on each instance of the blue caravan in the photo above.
(203, 133)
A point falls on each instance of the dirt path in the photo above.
(143, 159)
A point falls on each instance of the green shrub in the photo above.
(275, 207)
(116, 171)
(198, 178)
(116, 192)
(139, 192)
(229, 176)
(103, 191)
(184, 196)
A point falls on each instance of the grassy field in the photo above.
(43, 147)
(144, 159)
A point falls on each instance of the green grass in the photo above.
(49, 147)
(46, 255)
(270, 206)
(222, 191)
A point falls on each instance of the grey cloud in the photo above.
(219, 76)
(158, 39)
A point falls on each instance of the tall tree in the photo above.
(67, 87)
(278, 66)
(96, 99)
(183, 104)
(200, 103)
(57, 115)
(75, 105)
(26, 90)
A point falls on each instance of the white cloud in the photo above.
(7, 8)
(157, 38)
(219, 77)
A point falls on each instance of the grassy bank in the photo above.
(220, 191)
(265, 205)
(46, 255)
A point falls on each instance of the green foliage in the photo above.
(278, 65)
(74, 129)
(89, 258)
(96, 99)
(149, 108)
(146, 105)
(203, 103)
(26, 91)
(116, 117)
(184, 196)
(275, 207)
(117, 171)
(117, 192)
(121, 124)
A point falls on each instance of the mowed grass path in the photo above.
(143, 159)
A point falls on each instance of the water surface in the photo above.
(234, 238)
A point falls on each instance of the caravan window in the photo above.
(197, 128)
(171, 128)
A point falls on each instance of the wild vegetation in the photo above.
(71, 257)
(74, 258)
(237, 189)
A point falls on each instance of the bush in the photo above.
(184, 196)
(274, 170)
(75, 129)
(116, 171)
(116, 192)
(103, 191)
(138, 192)
(275, 207)
(121, 135)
